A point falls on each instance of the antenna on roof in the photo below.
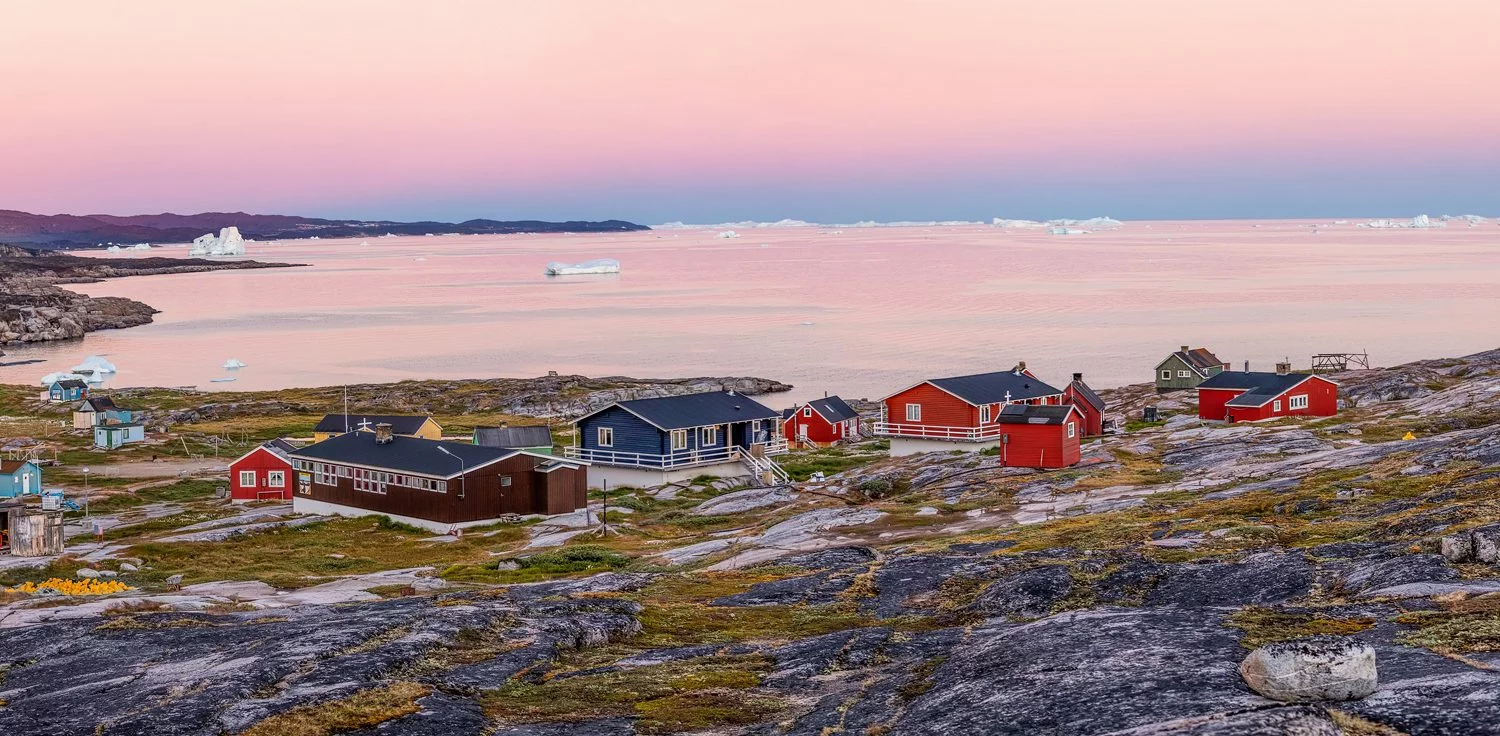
(346, 409)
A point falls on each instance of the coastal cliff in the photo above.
(34, 309)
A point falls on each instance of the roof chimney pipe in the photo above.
(1078, 377)
(1283, 368)
(1020, 367)
(1247, 366)
(1184, 348)
(383, 435)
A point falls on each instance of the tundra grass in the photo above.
(1462, 625)
(363, 709)
(1265, 625)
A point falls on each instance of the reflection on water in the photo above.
(887, 306)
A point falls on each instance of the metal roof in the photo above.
(70, 383)
(400, 424)
(97, 404)
(538, 435)
(694, 410)
(833, 409)
(405, 454)
(1088, 394)
(994, 388)
(1034, 413)
(1259, 387)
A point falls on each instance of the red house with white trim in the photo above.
(1040, 436)
(958, 413)
(263, 474)
(1090, 406)
(1250, 396)
(820, 423)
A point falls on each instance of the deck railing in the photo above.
(934, 432)
(672, 460)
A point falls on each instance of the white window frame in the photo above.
(708, 437)
(276, 479)
(679, 440)
(1072, 430)
(1276, 405)
(1166, 375)
(1294, 403)
(605, 436)
(984, 414)
(913, 412)
(1184, 374)
(504, 481)
(247, 479)
(807, 411)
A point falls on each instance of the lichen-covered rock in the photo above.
(1298, 720)
(1028, 594)
(1312, 670)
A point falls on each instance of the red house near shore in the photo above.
(1040, 436)
(820, 422)
(958, 413)
(262, 474)
(1249, 396)
(1090, 405)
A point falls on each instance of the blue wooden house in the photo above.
(19, 478)
(110, 436)
(71, 389)
(96, 410)
(648, 442)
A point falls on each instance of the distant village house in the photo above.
(964, 412)
(820, 423)
(1090, 406)
(333, 425)
(263, 474)
(97, 410)
(1187, 368)
(19, 478)
(67, 390)
(1250, 396)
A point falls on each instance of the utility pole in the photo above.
(604, 517)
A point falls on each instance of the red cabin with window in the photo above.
(263, 474)
(1248, 396)
(1090, 405)
(820, 423)
(1040, 436)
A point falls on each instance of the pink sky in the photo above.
(700, 109)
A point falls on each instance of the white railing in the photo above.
(762, 465)
(929, 431)
(776, 446)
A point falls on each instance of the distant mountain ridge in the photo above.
(70, 231)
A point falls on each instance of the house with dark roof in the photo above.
(1253, 396)
(1187, 368)
(96, 410)
(332, 425)
(958, 413)
(820, 423)
(19, 478)
(70, 389)
(1089, 404)
(263, 474)
(649, 442)
(532, 438)
(431, 483)
(1039, 435)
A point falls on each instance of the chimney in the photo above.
(1184, 348)
(1078, 378)
(1283, 368)
(504, 425)
(383, 434)
(1020, 367)
(1247, 366)
(730, 392)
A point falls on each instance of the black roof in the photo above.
(787, 413)
(400, 424)
(994, 388)
(1087, 394)
(696, 410)
(97, 403)
(1034, 413)
(71, 383)
(405, 454)
(538, 435)
(834, 409)
(1259, 386)
(1199, 359)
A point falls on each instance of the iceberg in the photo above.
(1002, 222)
(52, 378)
(141, 246)
(728, 234)
(233, 363)
(599, 265)
(93, 377)
(228, 243)
(1060, 230)
(113, 249)
(95, 363)
(1420, 222)
(1092, 222)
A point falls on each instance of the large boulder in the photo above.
(1311, 670)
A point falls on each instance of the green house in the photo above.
(1187, 368)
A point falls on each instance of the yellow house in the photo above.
(334, 425)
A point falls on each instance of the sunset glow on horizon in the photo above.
(708, 111)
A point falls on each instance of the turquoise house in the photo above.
(110, 436)
(71, 389)
(19, 478)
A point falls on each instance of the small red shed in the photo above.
(1250, 396)
(263, 474)
(1090, 405)
(820, 422)
(1040, 436)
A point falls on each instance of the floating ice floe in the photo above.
(95, 363)
(728, 234)
(1092, 222)
(228, 243)
(1420, 222)
(141, 246)
(598, 265)
(93, 377)
(233, 363)
(1060, 230)
(113, 249)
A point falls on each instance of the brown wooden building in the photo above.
(434, 484)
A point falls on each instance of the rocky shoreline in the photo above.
(34, 309)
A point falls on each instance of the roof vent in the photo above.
(1283, 368)
(1184, 348)
(729, 391)
(383, 435)
(1078, 377)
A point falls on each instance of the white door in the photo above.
(801, 432)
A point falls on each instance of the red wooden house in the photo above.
(959, 413)
(1090, 405)
(1040, 436)
(1249, 396)
(263, 474)
(820, 422)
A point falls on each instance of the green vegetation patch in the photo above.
(1464, 625)
(676, 612)
(801, 465)
(581, 559)
(363, 709)
(1265, 625)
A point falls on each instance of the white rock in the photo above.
(127, 567)
(87, 572)
(927, 511)
(1310, 670)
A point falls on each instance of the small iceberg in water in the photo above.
(96, 364)
(599, 265)
(233, 363)
(225, 379)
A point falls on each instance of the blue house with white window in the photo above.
(649, 442)
(70, 389)
(110, 436)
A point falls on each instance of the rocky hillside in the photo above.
(936, 594)
(34, 309)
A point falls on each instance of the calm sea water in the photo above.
(861, 312)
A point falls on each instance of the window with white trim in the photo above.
(606, 436)
(1276, 405)
(984, 414)
(1184, 374)
(247, 478)
(276, 478)
(1072, 430)
(1166, 375)
(679, 439)
(913, 412)
(807, 411)
(504, 481)
(1296, 402)
(710, 436)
